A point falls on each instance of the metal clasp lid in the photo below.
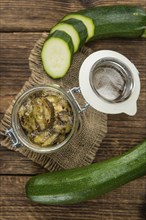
(13, 138)
(110, 82)
(77, 90)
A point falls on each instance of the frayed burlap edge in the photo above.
(61, 159)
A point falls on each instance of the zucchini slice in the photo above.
(70, 31)
(57, 54)
(88, 22)
(76, 29)
(80, 29)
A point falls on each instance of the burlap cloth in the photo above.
(82, 149)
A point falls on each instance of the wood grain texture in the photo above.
(22, 23)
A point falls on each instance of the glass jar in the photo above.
(16, 132)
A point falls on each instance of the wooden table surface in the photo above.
(22, 23)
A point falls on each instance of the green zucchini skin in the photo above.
(116, 21)
(81, 184)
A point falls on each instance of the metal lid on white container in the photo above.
(110, 82)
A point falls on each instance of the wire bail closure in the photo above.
(13, 138)
(77, 90)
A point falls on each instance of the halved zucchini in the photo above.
(88, 22)
(57, 54)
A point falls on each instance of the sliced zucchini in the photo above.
(70, 29)
(57, 54)
(101, 22)
(88, 22)
(80, 29)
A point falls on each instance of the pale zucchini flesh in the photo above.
(57, 53)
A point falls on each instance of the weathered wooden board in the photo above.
(22, 23)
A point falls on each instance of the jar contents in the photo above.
(46, 118)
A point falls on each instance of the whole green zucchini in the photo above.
(81, 184)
